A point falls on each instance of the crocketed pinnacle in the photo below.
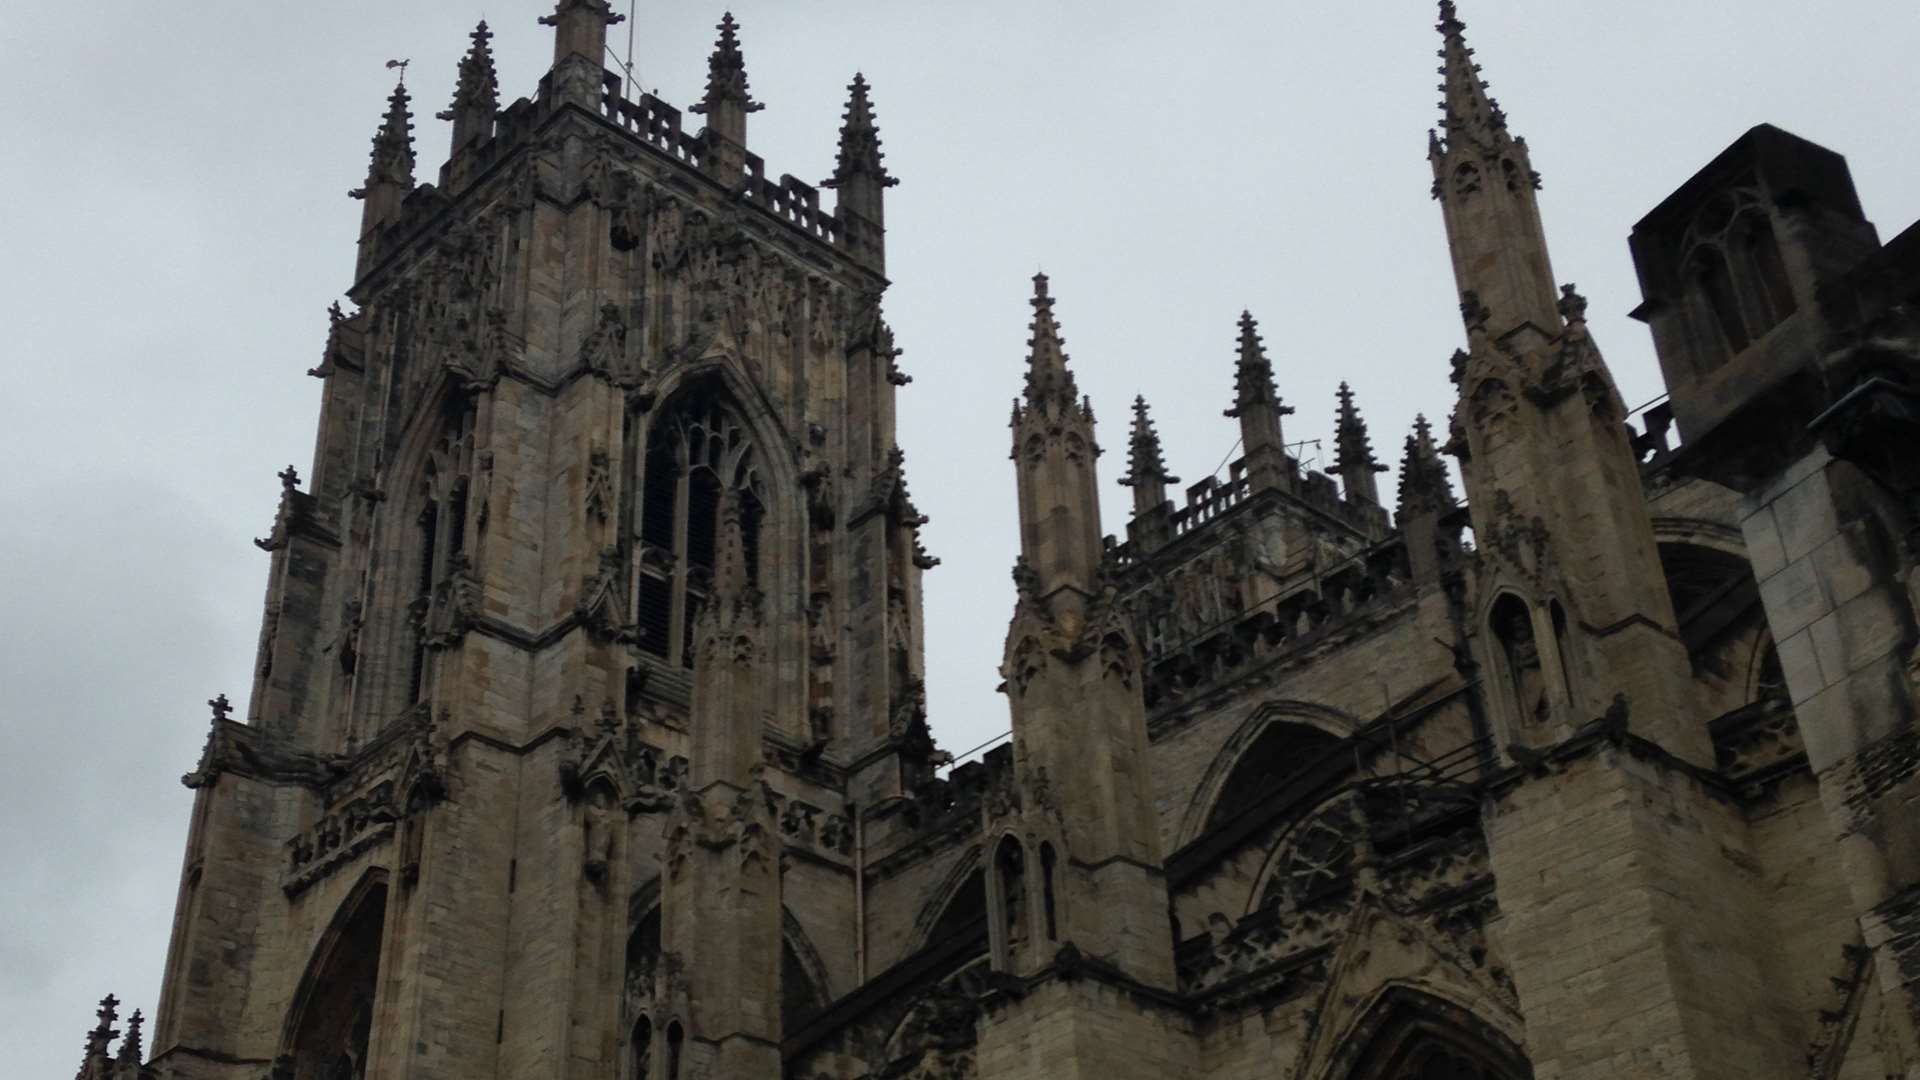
(1253, 373)
(1050, 386)
(130, 1048)
(727, 72)
(859, 140)
(1354, 449)
(479, 87)
(1145, 463)
(1466, 108)
(734, 594)
(393, 145)
(1424, 483)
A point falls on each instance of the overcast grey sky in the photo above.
(173, 210)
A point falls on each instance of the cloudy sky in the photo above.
(175, 223)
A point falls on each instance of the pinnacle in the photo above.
(479, 85)
(1424, 484)
(392, 158)
(1355, 449)
(727, 71)
(1466, 108)
(1253, 372)
(1145, 462)
(1048, 378)
(860, 152)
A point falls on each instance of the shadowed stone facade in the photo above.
(589, 734)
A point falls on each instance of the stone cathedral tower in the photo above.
(589, 737)
(606, 566)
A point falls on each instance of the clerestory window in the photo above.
(696, 450)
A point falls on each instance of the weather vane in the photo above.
(402, 65)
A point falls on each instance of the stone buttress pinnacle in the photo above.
(1050, 388)
(476, 97)
(860, 153)
(1424, 483)
(1253, 385)
(392, 159)
(1145, 462)
(727, 72)
(1354, 460)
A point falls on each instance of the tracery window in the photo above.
(1735, 277)
(440, 539)
(696, 450)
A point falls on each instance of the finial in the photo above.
(1145, 463)
(392, 158)
(1050, 383)
(1355, 450)
(289, 478)
(727, 72)
(1253, 373)
(222, 708)
(477, 94)
(130, 1048)
(1424, 483)
(860, 153)
(1466, 108)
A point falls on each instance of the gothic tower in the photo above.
(601, 597)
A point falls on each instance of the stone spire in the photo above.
(1354, 463)
(859, 140)
(130, 1047)
(728, 100)
(1050, 388)
(860, 175)
(392, 159)
(1256, 404)
(1424, 483)
(726, 105)
(1053, 454)
(477, 96)
(1146, 469)
(1485, 182)
(94, 1060)
(1467, 110)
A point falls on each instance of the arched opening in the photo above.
(439, 538)
(1010, 870)
(1769, 286)
(1563, 648)
(1714, 285)
(1408, 1035)
(1047, 903)
(1283, 750)
(332, 1025)
(1519, 654)
(640, 1050)
(676, 1039)
(697, 449)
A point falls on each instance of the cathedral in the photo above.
(588, 736)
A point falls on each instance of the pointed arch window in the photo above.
(1519, 656)
(696, 450)
(440, 538)
(1736, 279)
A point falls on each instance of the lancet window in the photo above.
(696, 450)
(440, 538)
